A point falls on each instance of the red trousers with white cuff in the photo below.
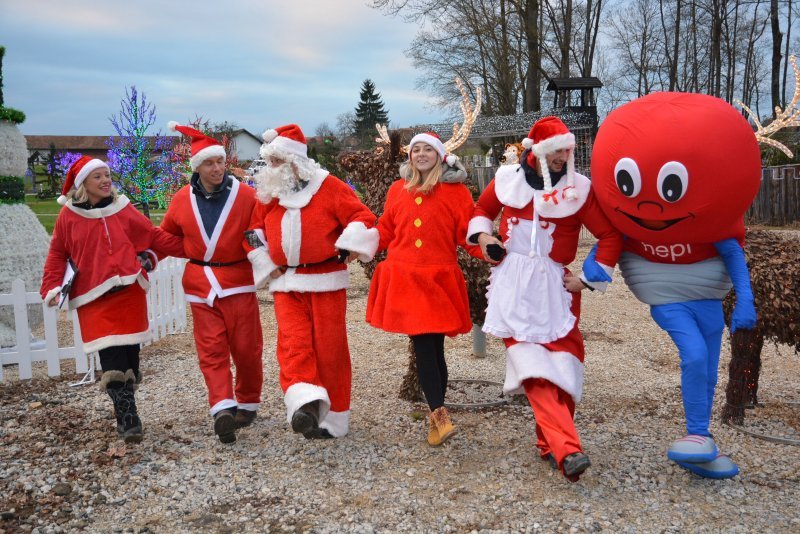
(230, 329)
(314, 356)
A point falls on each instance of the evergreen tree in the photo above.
(369, 112)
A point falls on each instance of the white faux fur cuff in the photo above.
(357, 238)
(52, 293)
(262, 266)
(479, 225)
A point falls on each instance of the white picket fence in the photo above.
(166, 307)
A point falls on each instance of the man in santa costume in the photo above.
(212, 213)
(308, 226)
(533, 299)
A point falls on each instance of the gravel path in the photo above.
(61, 468)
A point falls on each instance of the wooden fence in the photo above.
(166, 310)
(778, 199)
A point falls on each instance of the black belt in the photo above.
(216, 263)
(338, 259)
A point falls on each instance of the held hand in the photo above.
(345, 256)
(744, 315)
(145, 261)
(592, 270)
(490, 253)
(277, 273)
(572, 283)
(53, 302)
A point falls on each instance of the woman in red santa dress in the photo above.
(419, 290)
(533, 299)
(111, 245)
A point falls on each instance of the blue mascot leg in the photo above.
(711, 320)
(680, 321)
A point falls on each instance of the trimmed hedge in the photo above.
(12, 115)
(12, 190)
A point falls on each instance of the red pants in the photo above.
(231, 329)
(313, 355)
(554, 410)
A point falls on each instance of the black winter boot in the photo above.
(121, 387)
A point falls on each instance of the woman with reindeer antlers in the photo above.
(424, 220)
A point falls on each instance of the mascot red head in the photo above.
(676, 167)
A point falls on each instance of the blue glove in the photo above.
(744, 313)
(592, 270)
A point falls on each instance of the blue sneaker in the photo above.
(693, 448)
(719, 468)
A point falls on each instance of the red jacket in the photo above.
(205, 283)
(510, 193)
(103, 243)
(307, 227)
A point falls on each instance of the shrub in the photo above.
(11, 115)
(12, 190)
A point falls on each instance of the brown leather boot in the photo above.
(444, 427)
(244, 418)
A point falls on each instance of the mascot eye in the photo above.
(629, 181)
(673, 181)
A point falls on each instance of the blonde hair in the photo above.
(423, 186)
(79, 196)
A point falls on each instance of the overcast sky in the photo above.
(257, 63)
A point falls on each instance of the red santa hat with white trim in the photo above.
(284, 141)
(548, 135)
(203, 146)
(77, 173)
(432, 139)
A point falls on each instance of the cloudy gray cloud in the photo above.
(255, 63)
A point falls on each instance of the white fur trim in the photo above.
(599, 286)
(224, 404)
(357, 238)
(283, 145)
(301, 198)
(262, 266)
(479, 224)
(269, 135)
(250, 406)
(291, 235)
(212, 151)
(173, 126)
(531, 360)
(337, 423)
(100, 213)
(564, 207)
(451, 159)
(302, 393)
(527, 142)
(87, 169)
(552, 144)
(62, 200)
(511, 188)
(52, 293)
(120, 339)
(101, 289)
(310, 283)
(428, 139)
(208, 300)
(223, 218)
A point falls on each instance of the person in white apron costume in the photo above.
(533, 299)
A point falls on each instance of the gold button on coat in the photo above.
(418, 243)
(418, 223)
(418, 200)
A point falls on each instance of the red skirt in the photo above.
(118, 318)
(419, 299)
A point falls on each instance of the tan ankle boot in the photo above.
(444, 427)
(433, 434)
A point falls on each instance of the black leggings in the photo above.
(431, 367)
(120, 358)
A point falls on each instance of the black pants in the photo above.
(120, 358)
(431, 367)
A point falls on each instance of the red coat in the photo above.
(307, 227)
(420, 288)
(103, 243)
(205, 283)
(510, 193)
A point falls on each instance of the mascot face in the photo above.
(676, 168)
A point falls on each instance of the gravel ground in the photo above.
(62, 469)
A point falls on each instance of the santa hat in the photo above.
(203, 146)
(548, 135)
(430, 138)
(283, 141)
(77, 173)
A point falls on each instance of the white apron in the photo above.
(526, 297)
